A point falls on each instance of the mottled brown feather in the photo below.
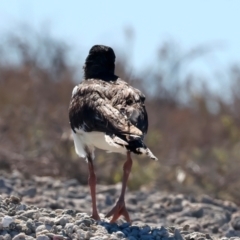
(108, 106)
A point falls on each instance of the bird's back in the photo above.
(89, 107)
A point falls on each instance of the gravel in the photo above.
(44, 208)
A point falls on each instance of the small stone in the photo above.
(195, 235)
(52, 215)
(186, 227)
(47, 220)
(232, 233)
(14, 199)
(108, 200)
(5, 187)
(18, 227)
(30, 225)
(42, 237)
(87, 221)
(134, 233)
(30, 238)
(72, 183)
(168, 238)
(59, 228)
(6, 221)
(145, 230)
(62, 221)
(42, 228)
(29, 213)
(7, 237)
(97, 238)
(163, 232)
(12, 226)
(146, 237)
(30, 192)
(21, 207)
(235, 222)
(177, 235)
(120, 234)
(22, 218)
(69, 228)
(81, 234)
(57, 237)
(125, 225)
(20, 236)
(208, 236)
(69, 212)
(126, 232)
(113, 237)
(50, 235)
(155, 232)
(131, 238)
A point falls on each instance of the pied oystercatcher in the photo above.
(107, 113)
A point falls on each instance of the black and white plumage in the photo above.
(105, 112)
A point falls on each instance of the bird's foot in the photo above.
(119, 210)
(95, 216)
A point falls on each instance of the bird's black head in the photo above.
(100, 63)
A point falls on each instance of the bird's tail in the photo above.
(132, 143)
(146, 151)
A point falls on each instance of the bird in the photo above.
(107, 113)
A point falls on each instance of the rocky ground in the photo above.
(44, 208)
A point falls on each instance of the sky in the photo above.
(188, 23)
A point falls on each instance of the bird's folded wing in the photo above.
(92, 112)
(117, 120)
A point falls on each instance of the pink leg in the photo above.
(120, 209)
(92, 184)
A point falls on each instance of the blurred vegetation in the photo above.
(195, 134)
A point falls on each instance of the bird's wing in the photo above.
(105, 107)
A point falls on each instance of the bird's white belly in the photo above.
(92, 140)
